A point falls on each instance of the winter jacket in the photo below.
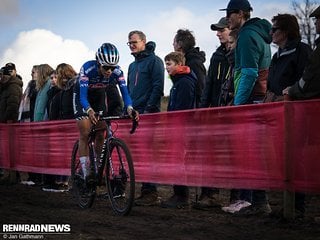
(183, 92)
(195, 60)
(146, 80)
(26, 109)
(218, 72)
(10, 96)
(227, 88)
(252, 60)
(40, 108)
(287, 66)
(309, 85)
(52, 92)
(62, 103)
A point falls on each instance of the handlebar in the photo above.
(134, 122)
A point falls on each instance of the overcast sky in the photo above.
(70, 31)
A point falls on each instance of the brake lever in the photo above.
(134, 122)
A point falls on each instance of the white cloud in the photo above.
(42, 46)
(163, 27)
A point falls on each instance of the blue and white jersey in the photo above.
(90, 79)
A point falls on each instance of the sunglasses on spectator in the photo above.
(107, 68)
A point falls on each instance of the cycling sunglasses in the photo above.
(107, 68)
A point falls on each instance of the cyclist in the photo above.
(90, 97)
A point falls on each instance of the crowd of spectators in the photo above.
(241, 71)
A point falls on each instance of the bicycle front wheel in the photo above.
(83, 191)
(120, 179)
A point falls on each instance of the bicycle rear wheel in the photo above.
(83, 191)
(120, 179)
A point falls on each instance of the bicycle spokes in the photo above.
(120, 177)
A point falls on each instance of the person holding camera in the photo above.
(10, 93)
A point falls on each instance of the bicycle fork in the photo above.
(120, 174)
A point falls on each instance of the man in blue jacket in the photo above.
(145, 84)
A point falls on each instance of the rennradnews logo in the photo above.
(8, 230)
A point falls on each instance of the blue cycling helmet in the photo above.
(107, 55)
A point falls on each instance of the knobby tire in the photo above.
(120, 178)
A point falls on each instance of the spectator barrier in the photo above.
(265, 146)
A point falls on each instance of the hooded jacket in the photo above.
(40, 107)
(287, 65)
(146, 80)
(218, 73)
(252, 60)
(10, 96)
(26, 108)
(195, 60)
(183, 91)
(309, 85)
(62, 102)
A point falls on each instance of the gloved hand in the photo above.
(133, 113)
(117, 72)
(116, 76)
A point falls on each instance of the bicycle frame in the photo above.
(99, 162)
(115, 158)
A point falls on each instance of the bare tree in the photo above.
(307, 28)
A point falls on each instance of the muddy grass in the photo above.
(29, 204)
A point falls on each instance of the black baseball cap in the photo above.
(5, 71)
(223, 23)
(10, 66)
(243, 5)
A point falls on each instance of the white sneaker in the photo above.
(236, 207)
(29, 183)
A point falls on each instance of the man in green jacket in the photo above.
(252, 60)
(253, 53)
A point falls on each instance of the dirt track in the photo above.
(27, 204)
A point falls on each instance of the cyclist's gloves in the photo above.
(133, 113)
(116, 75)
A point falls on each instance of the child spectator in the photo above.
(182, 96)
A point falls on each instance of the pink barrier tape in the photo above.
(264, 146)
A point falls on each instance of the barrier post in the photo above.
(288, 195)
(12, 178)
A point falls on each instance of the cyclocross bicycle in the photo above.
(113, 168)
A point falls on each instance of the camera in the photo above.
(5, 71)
